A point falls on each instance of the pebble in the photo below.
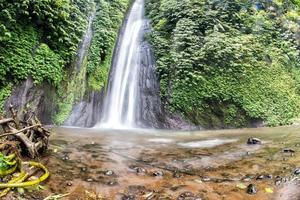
(128, 197)
(186, 196)
(278, 180)
(251, 189)
(89, 180)
(260, 177)
(158, 173)
(69, 183)
(109, 173)
(297, 172)
(252, 141)
(83, 169)
(65, 157)
(269, 176)
(288, 150)
(111, 183)
(205, 179)
(139, 170)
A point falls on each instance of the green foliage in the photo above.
(4, 94)
(234, 60)
(22, 57)
(39, 39)
(109, 17)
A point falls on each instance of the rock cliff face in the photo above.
(86, 113)
(40, 99)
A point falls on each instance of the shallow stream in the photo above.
(150, 164)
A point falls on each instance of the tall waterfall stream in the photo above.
(120, 103)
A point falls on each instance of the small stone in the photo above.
(252, 141)
(69, 183)
(205, 179)
(83, 169)
(260, 177)
(269, 176)
(89, 180)
(128, 197)
(139, 170)
(251, 189)
(288, 150)
(185, 196)
(158, 173)
(65, 157)
(247, 179)
(109, 173)
(278, 180)
(111, 183)
(296, 171)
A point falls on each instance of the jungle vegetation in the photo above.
(227, 63)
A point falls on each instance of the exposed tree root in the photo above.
(26, 137)
(30, 133)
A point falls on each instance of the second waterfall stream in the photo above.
(120, 103)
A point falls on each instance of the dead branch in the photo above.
(33, 137)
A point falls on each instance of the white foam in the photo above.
(207, 143)
(161, 140)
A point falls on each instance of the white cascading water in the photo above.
(120, 103)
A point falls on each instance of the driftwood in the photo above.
(31, 135)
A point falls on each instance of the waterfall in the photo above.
(84, 47)
(121, 101)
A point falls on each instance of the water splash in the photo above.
(120, 104)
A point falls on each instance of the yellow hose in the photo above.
(28, 183)
(8, 171)
(22, 176)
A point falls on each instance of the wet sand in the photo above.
(149, 164)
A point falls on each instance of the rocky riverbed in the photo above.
(148, 164)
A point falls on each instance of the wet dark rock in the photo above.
(109, 173)
(186, 196)
(260, 177)
(158, 173)
(128, 197)
(288, 150)
(278, 180)
(251, 189)
(269, 176)
(296, 172)
(83, 114)
(138, 170)
(252, 141)
(65, 157)
(69, 183)
(83, 169)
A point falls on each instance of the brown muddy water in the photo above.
(150, 164)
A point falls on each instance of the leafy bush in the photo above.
(231, 60)
(108, 19)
